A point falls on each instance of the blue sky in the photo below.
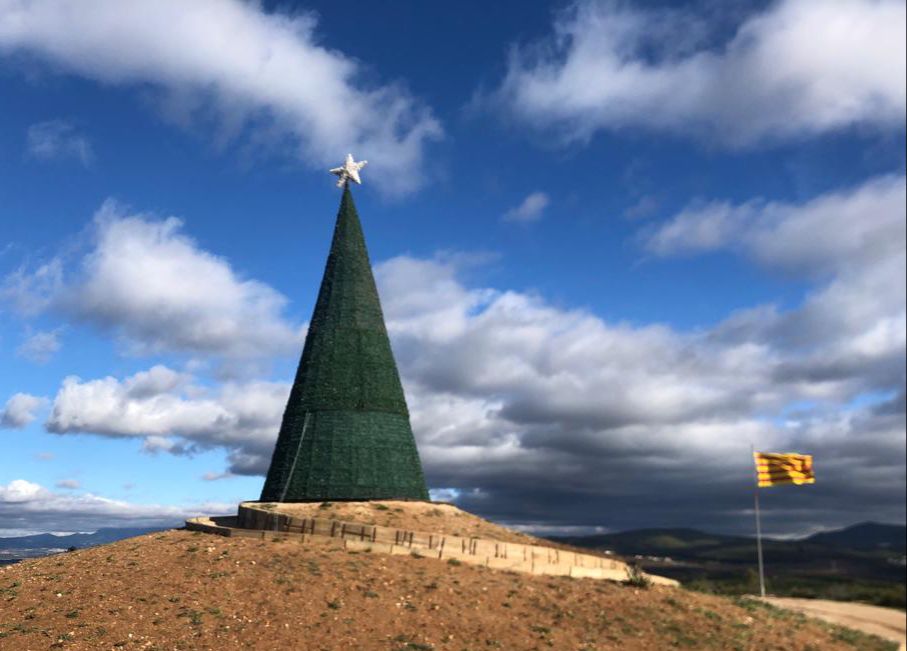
(616, 245)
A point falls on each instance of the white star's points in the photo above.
(349, 171)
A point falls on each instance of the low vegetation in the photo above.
(151, 593)
(726, 565)
(803, 585)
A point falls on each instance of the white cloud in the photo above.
(416, 304)
(536, 406)
(31, 292)
(149, 283)
(797, 68)
(850, 228)
(20, 410)
(27, 505)
(642, 208)
(521, 360)
(40, 346)
(189, 298)
(854, 240)
(173, 414)
(238, 62)
(58, 139)
(518, 404)
(530, 210)
(215, 476)
(443, 494)
(18, 491)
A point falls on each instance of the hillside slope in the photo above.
(859, 563)
(184, 590)
(865, 536)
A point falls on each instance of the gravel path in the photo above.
(884, 622)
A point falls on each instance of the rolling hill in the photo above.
(864, 562)
(189, 590)
(866, 536)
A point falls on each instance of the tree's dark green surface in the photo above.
(345, 433)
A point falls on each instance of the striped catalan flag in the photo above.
(788, 468)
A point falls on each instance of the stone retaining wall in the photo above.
(533, 559)
(505, 555)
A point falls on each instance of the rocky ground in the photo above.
(193, 591)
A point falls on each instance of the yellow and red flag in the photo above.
(788, 468)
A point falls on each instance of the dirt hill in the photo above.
(433, 517)
(413, 515)
(193, 591)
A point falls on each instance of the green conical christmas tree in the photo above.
(345, 433)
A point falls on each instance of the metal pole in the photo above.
(758, 530)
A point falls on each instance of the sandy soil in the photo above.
(191, 591)
(884, 622)
(414, 516)
(427, 517)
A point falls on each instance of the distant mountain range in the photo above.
(16, 548)
(866, 536)
(863, 562)
(869, 550)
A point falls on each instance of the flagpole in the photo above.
(758, 529)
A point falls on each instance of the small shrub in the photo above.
(637, 578)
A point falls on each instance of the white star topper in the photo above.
(349, 170)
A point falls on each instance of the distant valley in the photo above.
(14, 549)
(864, 562)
